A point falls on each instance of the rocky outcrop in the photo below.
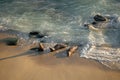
(100, 18)
(10, 41)
(36, 34)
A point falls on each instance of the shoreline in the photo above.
(29, 65)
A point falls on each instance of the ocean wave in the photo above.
(104, 44)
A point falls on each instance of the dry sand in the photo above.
(29, 66)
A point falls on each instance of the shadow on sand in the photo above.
(36, 52)
(30, 53)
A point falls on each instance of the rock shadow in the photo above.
(31, 52)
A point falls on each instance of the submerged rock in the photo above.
(94, 23)
(101, 22)
(99, 18)
(36, 34)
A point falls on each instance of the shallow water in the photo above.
(63, 21)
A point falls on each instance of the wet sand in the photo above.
(31, 66)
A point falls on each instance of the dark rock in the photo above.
(86, 26)
(94, 23)
(36, 34)
(10, 41)
(99, 18)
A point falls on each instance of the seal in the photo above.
(58, 46)
(72, 50)
(41, 47)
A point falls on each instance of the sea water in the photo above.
(63, 21)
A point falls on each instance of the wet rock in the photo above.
(72, 50)
(99, 18)
(86, 26)
(94, 23)
(58, 46)
(36, 34)
(10, 41)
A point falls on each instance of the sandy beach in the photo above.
(26, 65)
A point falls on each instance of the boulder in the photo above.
(11, 41)
(99, 18)
(36, 34)
(94, 23)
